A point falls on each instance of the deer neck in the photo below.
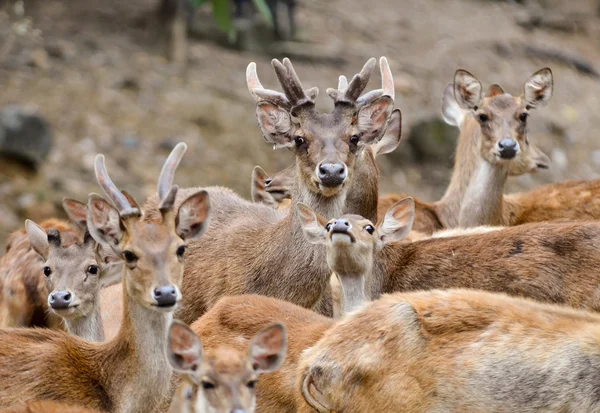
(363, 193)
(466, 160)
(142, 340)
(353, 290)
(483, 202)
(89, 328)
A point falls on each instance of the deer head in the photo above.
(503, 119)
(352, 241)
(153, 250)
(223, 380)
(74, 273)
(325, 145)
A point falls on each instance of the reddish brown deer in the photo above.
(75, 274)
(326, 148)
(23, 290)
(48, 406)
(224, 379)
(350, 249)
(455, 351)
(130, 373)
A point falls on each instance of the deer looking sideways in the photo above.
(224, 379)
(351, 243)
(454, 351)
(326, 146)
(130, 373)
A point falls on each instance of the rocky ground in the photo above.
(95, 73)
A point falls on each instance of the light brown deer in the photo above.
(275, 199)
(485, 203)
(222, 380)
(350, 249)
(23, 290)
(455, 351)
(75, 274)
(130, 373)
(230, 259)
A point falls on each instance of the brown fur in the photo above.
(23, 289)
(455, 351)
(49, 407)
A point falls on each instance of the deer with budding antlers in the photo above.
(130, 373)
(230, 259)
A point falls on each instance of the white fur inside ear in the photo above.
(452, 113)
(538, 89)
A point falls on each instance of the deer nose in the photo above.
(60, 300)
(508, 148)
(165, 296)
(332, 174)
(340, 225)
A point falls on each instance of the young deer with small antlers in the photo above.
(131, 372)
(455, 351)
(230, 259)
(75, 275)
(224, 379)
(350, 243)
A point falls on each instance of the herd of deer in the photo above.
(351, 302)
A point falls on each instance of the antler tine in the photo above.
(342, 83)
(290, 83)
(111, 190)
(360, 80)
(259, 93)
(167, 174)
(387, 80)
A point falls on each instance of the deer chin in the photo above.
(342, 238)
(328, 191)
(71, 312)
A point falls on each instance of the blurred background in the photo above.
(79, 78)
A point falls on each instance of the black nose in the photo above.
(332, 174)
(60, 300)
(268, 181)
(165, 296)
(340, 226)
(507, 148)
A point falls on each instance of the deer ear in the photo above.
(312, 224)
(38, 239)
(257, 189)
(77, 212)
(452, 113)
(391, 138)
(104, 222)
(495, 90)
(268, 348)
(275, 124)
(193, 216)
(467, 90)
(184, 350)
(112, 266)
(538, 89)
(372, 119)
(397, 222)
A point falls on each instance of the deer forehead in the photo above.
(503, 105)
(153, 238)
(226, 365)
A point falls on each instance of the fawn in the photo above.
(222, 380)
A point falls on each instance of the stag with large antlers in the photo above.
(231, 258)
(131, 372)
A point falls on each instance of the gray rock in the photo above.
(24, 136)
(432, 141)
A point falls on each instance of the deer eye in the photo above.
(129, 256)
(328, 227)
(207, 385)
(252, 384)
(181, 251)
(483, 118)
(47, 271)
(93, 269)
(355, 139)
(523, 117)
(299, 141)
(370, 229)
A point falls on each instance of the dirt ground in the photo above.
(95, 71)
